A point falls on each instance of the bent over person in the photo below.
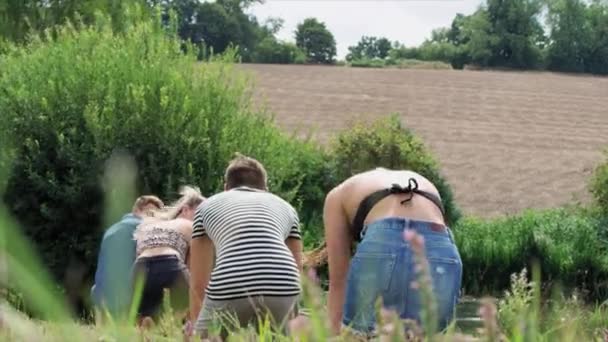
(376, 208)
(255, 237)
(116, 255)
(162, 246)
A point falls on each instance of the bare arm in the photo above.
(201, 264)
(296, 247)
(338, 242)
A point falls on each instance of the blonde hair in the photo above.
(191, 197)
(143, 201)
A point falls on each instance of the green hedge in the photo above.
(69, 102)
(270, 50)
(367, 63)
(567, 243)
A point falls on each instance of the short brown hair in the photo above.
(144, 201)
(245, 171)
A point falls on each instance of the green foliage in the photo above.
(476, 38)
(213, 26)
(566, 242)
(508, 34)
(18, 18)
(70, 102)
(369, 48)
(517, 300)
(521, 314)
(516, 318)
(367, 63)
(570, 35)
(500, 34)
(272, 51)
(599, 185)
(578, 36)
(316, 41)
(386, 143)
(400, 64)
(518, 33)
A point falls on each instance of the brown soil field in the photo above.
(506, 141)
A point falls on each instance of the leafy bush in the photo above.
(270, 50)
(386, 143)
(599, 185)
(70, 101)
(434, 51)
(566, 243)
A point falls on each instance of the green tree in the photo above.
(454, 35)
(478, 42)
(213, 27)
(20, 17)
(369, 47)
(517, 33)
(570, 35)
(314, 38)
(383, 46)
(597, 16)
(579, 36)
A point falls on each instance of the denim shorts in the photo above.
(159, 273)
(384, 267)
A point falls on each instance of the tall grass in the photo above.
(521, 315)
(567, 243)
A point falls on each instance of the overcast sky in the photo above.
(407, 21)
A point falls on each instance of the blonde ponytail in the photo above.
(191, 197)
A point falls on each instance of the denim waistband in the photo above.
(399, 224)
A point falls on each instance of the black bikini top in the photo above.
(368, 202)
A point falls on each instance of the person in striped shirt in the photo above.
(254, 237)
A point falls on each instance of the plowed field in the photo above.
(506, 141)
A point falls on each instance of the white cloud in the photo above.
(407, 21)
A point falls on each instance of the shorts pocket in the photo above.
(369, 278)
(446, 274)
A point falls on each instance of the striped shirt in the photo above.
(248, 229)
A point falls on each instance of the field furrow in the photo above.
(506, 141)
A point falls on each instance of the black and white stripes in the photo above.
(248, 229)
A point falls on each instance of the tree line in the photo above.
(557, 35)
(573, 37)
(213, 26)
